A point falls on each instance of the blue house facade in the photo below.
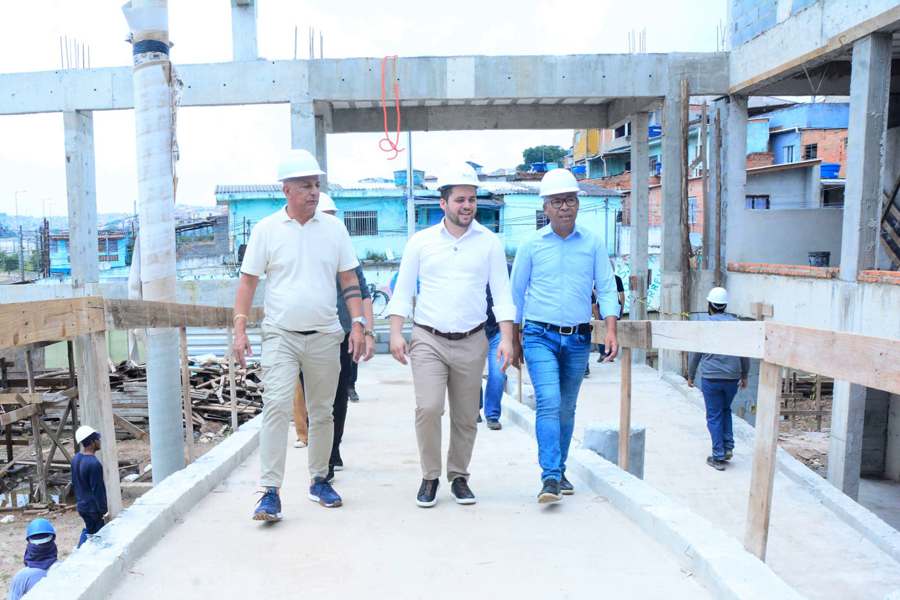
(113, 248)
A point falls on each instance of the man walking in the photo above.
(552, 279)
(496, 380)
(87, 482)
(721, 376)
(301, 251)
(450, 263)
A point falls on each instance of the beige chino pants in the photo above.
(283, 354)
(442, 369)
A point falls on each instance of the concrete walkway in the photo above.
(380, 545)
(812, 550)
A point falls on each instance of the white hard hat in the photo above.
(298, 163)
(326, 203)
(83, 432)
(558, 181)
(717, 295)
(462, 174)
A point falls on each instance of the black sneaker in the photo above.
(427, 493)
(729, 454)
(352, 396)
(460, 491)
(494, 424)
(338, 464)
(550, 492)
(718, 465)
(330, 476)
(479, 418)
(565, 487)
(587, 371)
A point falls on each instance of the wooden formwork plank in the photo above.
(24, 323)
(139, 314)
(734, 338)
(625, 409)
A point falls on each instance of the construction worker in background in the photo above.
(303, 252)
(40, 555)
(496, 379)
(87, 482)
(552, 279)
(721, 376)
(336, 463)
(446, 267)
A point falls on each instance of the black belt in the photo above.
(564, 329)
(450, 336)
(310, 332)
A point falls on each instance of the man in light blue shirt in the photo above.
(552, 279)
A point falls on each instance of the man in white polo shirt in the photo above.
(301, 251)
(448, 267)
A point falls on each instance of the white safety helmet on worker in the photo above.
(326, 203)
(558, 181)
(298, 163)
(462, 174)
(717, 295)
(83, 432)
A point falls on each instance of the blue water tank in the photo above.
(579, 170)
(829, 170)
(654, 131)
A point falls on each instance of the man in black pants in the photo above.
(335, 462)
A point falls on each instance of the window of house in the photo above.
(788, 154)
(758, 202)
(361, 222)
(810, 151)
(540, 219)
(833, 197)
(627, 165)
(654, 160)
(692, 209)
(623, 130)
(108, 249)
(54, 246)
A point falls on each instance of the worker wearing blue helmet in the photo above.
(40, 555)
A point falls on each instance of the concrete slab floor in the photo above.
(882, 497)
(380, 545)
(809, 547)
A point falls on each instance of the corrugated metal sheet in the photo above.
(215, 341)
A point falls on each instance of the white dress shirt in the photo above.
(451, 275)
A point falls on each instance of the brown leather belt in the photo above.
(450, 336)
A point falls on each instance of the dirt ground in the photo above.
(800, 437)
(67, 522)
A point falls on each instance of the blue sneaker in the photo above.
(269, 506)
(321, 491)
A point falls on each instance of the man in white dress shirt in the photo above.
(447, 267)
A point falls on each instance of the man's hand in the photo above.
(506, 353)
(356, 344)
(370, 348)
(743, 382)
(399, 348)
(690, 383)
(241, 347)
(611, 342)
(518, 353)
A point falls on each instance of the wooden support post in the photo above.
(231, 384)
(73, 382)
(8, 428)
(36, 433)
(625, 409)
(764, 457)
(186, 397)
(818, 393)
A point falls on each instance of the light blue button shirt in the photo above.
(552, 278)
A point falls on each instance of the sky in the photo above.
(241, 145)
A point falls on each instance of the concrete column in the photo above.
(308, 131)
(890, 173)
(892, 451)
(848, 411)
(639, 239)
(95, 400)
(734, 169)
(670, 251)
(243, 30)
(870, 80)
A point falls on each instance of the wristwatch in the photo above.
(361, 320)
(369, 333)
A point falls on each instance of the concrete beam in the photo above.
(829, 79)
(621, 110)
(243, 30)
(869, 94)
(465, 118)
(359, 79)
(820, 33)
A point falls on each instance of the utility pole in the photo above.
(410, 190)
(153, 78)
(21, 255)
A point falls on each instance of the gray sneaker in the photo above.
(494, 424)
(565, 487)
(352, 396)
(550, 492)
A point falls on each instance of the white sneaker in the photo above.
(299, 444)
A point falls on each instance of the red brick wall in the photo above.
(831, 145)
(695, 189)
(760, 159)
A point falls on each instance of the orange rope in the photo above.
(386, 144)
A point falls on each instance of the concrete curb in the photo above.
(94, 570)
(861, 519)
(716, 559)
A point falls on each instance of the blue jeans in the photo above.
(496, 381)
(718, 394)
(556, 365)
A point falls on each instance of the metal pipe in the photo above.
(155, 125)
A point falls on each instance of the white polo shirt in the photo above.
(300, 263)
